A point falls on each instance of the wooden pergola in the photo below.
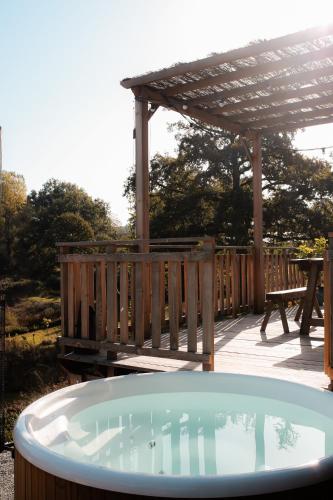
(274, 85)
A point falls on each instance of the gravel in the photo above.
(6, 476)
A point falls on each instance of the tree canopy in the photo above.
(207, 189)
(14, 198)
(59, 211)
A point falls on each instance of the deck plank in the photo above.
(240, 347)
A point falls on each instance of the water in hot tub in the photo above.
(194, 434)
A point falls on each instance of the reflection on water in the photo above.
(195, 434)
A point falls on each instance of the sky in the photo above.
(63, 112)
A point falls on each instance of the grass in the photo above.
(43, 336)
(32, 371)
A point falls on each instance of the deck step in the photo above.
(142, 364)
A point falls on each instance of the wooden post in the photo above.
(64, 292)
(142, 173)
(207, 307)
(328, 316)
(259, 286)
(142, 195)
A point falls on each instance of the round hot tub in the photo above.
(176, 435)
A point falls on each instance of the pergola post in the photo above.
(142, 173)
(258, 271)
(142, 197)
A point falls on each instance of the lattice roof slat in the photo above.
(285, 82)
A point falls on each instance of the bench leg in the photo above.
(283, 317)
(317, 308)
(267, 316)
(299, 310)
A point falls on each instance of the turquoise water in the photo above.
(196, 434)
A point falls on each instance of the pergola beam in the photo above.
(251, 71)
(299, 124)
(283, 108)
(276, 97)
(294, 118)
(267, 85)
(232, 55)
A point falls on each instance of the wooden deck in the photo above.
(240, 347)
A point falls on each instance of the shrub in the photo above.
(312, 249)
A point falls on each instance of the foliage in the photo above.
(312, 249)
(60, 211)
(14, 197)
(207, 189)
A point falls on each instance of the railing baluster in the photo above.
(123, 303)
(156, 305)
(139, 304)
(173, 305)
(111, 299)
(222, 285)
(235, 283)
(84, 302)
(192, 305)
(162, 293)
(100, 301)
(243, 280)
(227, 283)
(132, 296)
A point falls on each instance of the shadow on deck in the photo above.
(240, 347)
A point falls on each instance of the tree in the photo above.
(207, 189)
(60, 211)
(14, 198)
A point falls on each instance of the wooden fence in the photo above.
(112, 300)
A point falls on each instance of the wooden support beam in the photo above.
(142, 196)
(259, 285)
(142, 172)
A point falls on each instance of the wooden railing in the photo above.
(233, 280)
(234, 283)
(280, 273)
(113, 300)
(115, 297)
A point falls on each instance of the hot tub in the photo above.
(176, 435)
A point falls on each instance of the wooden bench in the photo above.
(280, 297)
